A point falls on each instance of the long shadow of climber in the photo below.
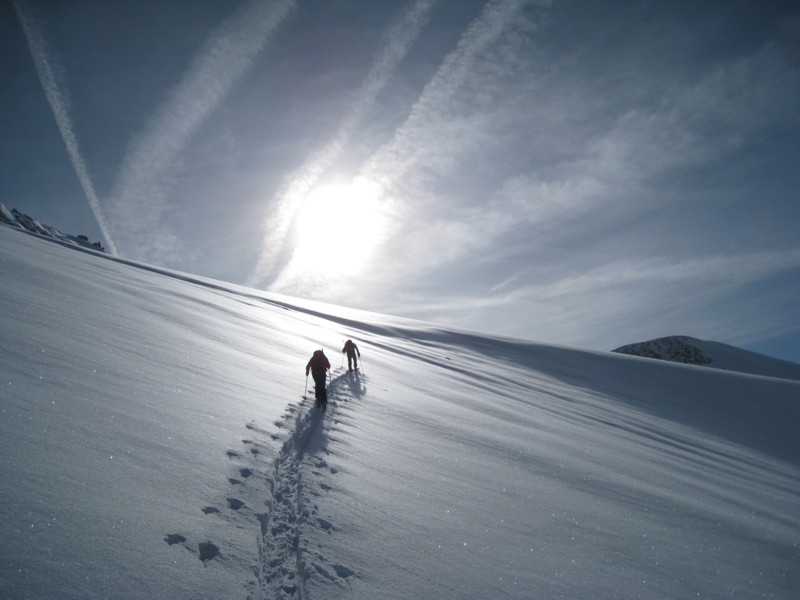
(350, 383)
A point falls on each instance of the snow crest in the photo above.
(15, 218)
(675, 349)
(694, 351)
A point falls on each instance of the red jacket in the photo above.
(318, 364)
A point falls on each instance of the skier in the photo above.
(352, 350)
(319, 365)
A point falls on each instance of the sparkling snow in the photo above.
(156, 444)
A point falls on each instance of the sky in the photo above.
(579, 173)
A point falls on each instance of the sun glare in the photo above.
(339, 227)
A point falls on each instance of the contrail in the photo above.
(412, 141)
(393, 160)
(416, 142)
(138, 197)
(277, 222)
(47, 69)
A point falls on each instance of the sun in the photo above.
(339, 226)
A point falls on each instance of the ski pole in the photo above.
(305, 387)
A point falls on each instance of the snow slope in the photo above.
(689, 350)
(155, 443)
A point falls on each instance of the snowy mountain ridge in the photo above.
(15, 218)
(157, 440)
(692, 351)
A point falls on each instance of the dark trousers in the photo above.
(320, 393)
(352, 361)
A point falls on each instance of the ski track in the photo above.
(277, 498)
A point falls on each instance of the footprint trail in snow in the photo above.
(287, 558)
(278, 498)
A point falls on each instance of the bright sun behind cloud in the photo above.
(339, 226)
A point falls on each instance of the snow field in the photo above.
(155, 442)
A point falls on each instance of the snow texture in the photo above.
(158, 440)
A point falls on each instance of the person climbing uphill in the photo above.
(353, 354)
(319, 365)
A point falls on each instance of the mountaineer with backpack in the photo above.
(318, 365)
(353, 354)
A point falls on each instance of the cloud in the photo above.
(436, 131)
(458, 116)
(447, 121)
(139, 197)
(624, 299)
(610, 176)
(49, 75)
(399, 39)
(717, 272)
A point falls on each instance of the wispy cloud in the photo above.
(49, 75)
(398, 40)
(433, 122)
(608, 174)
(139, 197)
(455, 116)
(589, 307)
(442, 126)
